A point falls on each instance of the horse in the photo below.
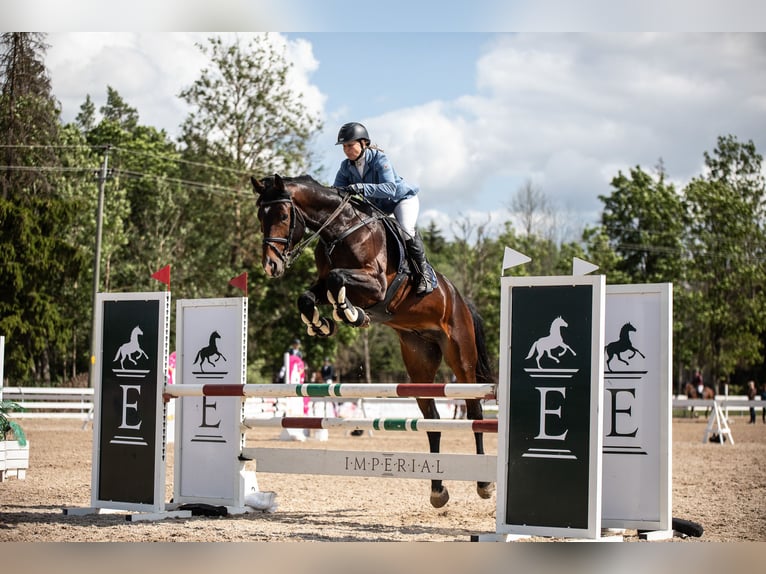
(211, 350)
(623, 344)
(126, 351)
(360, 275)
(544, 345)
(692, 393)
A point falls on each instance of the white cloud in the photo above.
(570, 110)
(149, 70)
(565, 110)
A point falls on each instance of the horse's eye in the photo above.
(284, 218)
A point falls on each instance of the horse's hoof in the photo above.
(485, 490)
(439, 499)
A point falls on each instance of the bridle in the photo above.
(287, 255)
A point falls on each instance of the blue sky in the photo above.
(373, 72)
(564, 101)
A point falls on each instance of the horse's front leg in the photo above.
(365, 287)
(308, 305)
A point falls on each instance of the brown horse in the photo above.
(360, 275)
(707, 394)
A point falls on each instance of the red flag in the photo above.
(163, 275)
(240, 282)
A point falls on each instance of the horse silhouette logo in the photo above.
(210, 353)
(127, 350)
(545, 345)
(622, 345)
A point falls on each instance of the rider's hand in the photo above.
(354, 189)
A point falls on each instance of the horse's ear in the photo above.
(258, 186)
(278, 182)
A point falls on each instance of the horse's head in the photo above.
(281, 224)
(137, 331)
(559, 322)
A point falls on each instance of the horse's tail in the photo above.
(197, 357)
(483, 370)
(532, 350)
(117, 356)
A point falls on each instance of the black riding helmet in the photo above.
(351, 132)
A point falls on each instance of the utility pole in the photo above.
(101, 178)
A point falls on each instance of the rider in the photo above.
(368, 172)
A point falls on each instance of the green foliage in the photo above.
(189, 204)
(9, 428)
(35, 218)
(725, 268)
(644, 220)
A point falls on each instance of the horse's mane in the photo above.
(272, 193)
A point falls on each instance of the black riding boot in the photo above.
(420, 276)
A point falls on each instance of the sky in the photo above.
(467, 111)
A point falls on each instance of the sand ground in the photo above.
(718, 486)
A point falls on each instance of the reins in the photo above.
(287, 255)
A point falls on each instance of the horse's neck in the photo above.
(318, 205)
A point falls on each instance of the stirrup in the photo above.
(422, 285)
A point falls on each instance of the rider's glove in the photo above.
(354, 189)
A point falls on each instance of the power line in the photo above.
(100, 147)
(201, 186)
(45, 168)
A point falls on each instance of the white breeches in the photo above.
(406, 213)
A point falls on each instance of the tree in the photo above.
(644, 219)
(39, 263)
(532, 208)
(245, 120)
(726, 271)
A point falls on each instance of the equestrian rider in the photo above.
(367, 171)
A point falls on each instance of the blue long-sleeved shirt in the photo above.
(382, 185)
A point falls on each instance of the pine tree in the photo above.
(38, 261)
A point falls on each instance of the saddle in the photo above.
(395, 238)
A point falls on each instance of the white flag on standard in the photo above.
(582, 267)
(512, 258)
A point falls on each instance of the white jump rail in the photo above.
(350, 390)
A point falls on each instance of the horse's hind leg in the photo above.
(439, 492)
(422, 359)
(474, 412)
(462, 353)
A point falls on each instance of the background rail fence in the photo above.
(50, 402)
(734, 404)
(77, 403)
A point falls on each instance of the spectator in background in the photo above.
(751, 394)
(295, 349)
(763, 400)
(328, 371)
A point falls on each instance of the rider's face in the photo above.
(352, 149)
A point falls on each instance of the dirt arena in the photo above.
(722, 487)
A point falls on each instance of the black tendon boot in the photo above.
(420, 275)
